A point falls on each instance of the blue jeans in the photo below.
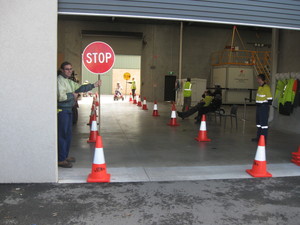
(65, 120)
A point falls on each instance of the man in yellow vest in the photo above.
(133, 87)
(187, 94)
(263, 102)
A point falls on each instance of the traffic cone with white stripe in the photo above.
(92, 115)
(130, 99)
(202, 133)
(144, 104)
(134, 100)
(139, 101)
(296, 157)
(155, 109)
(259, 168)
(99, 173)
(173, 120)
(94, 132)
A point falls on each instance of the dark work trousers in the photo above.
(65, 119)
(262, 117)
(186, 103)
(133, 93)
(198, 108)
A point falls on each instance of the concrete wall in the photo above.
(28, 38)
(288, 61)
(160, 51)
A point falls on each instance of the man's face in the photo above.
(259, 81)
(68, 70)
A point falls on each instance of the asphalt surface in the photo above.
(227, 202)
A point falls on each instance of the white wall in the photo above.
(28, 41)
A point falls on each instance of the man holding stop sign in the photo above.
(67, 93)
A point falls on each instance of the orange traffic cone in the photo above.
(139, 102)
(99, 173)
(259, 167)
(134, 99)
(202, 134)
(94, 110)
(144, 104)
(173, 120)
(94, 132)
(92, 117)
(130, 99)
(97, 102)
(296, 157)
(155, 109)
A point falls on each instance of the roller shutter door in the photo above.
(265, 13)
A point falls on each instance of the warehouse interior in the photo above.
(133, 150)
(34, 44)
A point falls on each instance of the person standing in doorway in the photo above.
(187, 95)
(133, 87)
(263, 102)
(67, 93)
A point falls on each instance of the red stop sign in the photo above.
(98, 57)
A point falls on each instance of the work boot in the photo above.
(180, 114)
(65, 164)
(71, 159)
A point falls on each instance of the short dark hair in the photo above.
(62, 66)
(188, 79)
(262, 76)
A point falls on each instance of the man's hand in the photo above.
(98, 83)
(75, 95)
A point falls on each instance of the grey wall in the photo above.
(288, 61)
(160, 51)
(28, 91)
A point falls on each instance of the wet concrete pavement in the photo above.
(228, 202)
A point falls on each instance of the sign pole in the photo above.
(99, 105)
(126, 89)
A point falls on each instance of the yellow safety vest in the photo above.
(187, 89)
(207, 100)
(263, 94)
(133, 85)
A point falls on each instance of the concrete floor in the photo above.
(139, 147)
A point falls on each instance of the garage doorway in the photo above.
(123, 64)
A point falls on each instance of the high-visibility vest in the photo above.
(133, 86)
(263, 95)
(207, 100)
(187, 89)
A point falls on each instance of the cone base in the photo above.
(104, 179)
(296, 154)
(144, 108)
(253, 174)
(297, 162)
(155, 113)
(139, 105)
(89, 124)
(202, 140)
(94, 138)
